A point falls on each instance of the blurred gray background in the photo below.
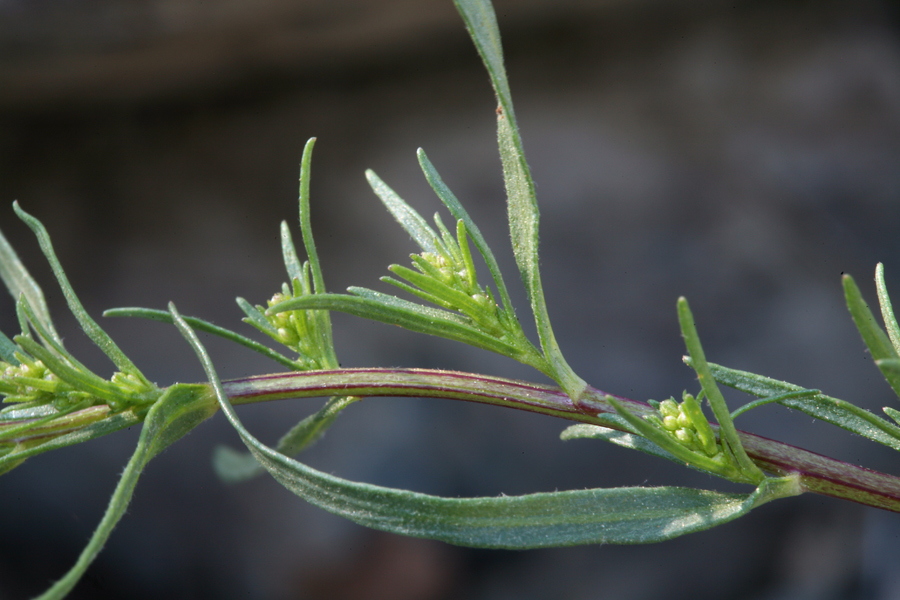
(743, 154)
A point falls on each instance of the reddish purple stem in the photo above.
(818, 474)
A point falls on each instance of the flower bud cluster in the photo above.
(448, 273)
(446, 276)
(296, 330)
(686, 423)
(31, 381)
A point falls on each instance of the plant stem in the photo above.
(818, 474)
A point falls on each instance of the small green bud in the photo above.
(278, 297)
(287, 336)
(684, 420)
(685, 436)
(670, 423)
(669, 408)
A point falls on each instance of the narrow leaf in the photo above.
(438, 289)
(409, 219)
(773, 400)
(401, 304)
(727, 431)
(206, 327)
(876, 340)
(322, 319)
(457, 210)
(890, 368)
(256, 317)
(81, 380)
(32, 321)
(887, 311)
(20, 282)
(305, 222)
(619, 438)
(430, 298)
(181, 408)
(292, 263)
(825, 408)
(401, 313)
(90, 327)
(8, 350)
(622, 515)
(481, 21)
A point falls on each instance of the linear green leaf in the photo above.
(728, 433)
(181, 408)
(403, 314)
(875, 338)
(825, 408)
(8, 349)
(892, 413)
(305, 222)
(90, 327)
(632, 441)
(437, 289)
(401, 304)
(431, 299)
(82, 380)
(292, 263)
(887, 311)
(620, 515)
(598, 516)
(20, 282)
(481, 21)
(773, 400)
(417, 227)
(255, 317)
(24, 309)
(890, 368)
(322, 319)
(204, 326)
(457, 210)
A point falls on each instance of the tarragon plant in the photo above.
(52, 400)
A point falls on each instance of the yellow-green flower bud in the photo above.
(669, 408)
(685, 436)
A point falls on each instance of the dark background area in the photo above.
(743, 154)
